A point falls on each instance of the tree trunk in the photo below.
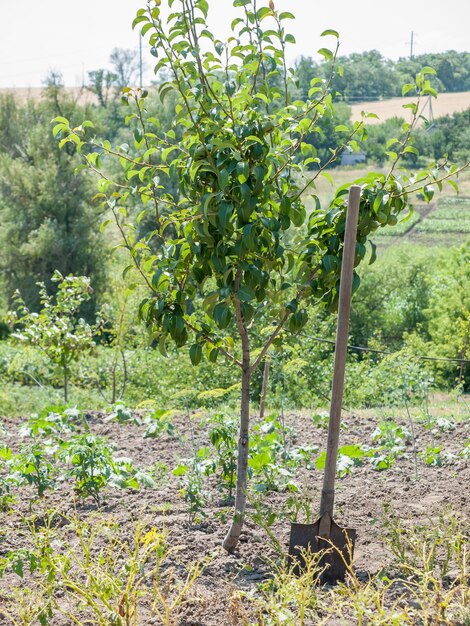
(233, 534)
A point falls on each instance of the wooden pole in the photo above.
(264, 388)
(345, 289)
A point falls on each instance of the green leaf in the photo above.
(330, 31)
(245, 293)
(195, 353)
(373, 256)
(327, 54)
(407, 88)
(222, 315)
(320, 461)
(352, 451)
(428, 70)
(180, 470)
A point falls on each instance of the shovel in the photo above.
(336, 543)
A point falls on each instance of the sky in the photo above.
(37, 36)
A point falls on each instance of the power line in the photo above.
(386, 352)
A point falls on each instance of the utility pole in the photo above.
(411, 44)
(140, 60)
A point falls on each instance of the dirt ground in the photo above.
(359, 504)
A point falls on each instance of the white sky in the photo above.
(37, 36)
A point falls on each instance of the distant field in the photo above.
(444, 104)
(446, 221)
(80, 94)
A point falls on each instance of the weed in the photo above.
(223, 437)
(160, 421)
(298, 507)
(52, 421)
(93, 467)
(391, 435)
(288, 598)
(114, 581)
(32, 466)
(434, 456)
(193, 491)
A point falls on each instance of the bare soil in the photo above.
(415, 492)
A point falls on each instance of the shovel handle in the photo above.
(345, 289)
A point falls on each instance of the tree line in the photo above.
(370, 76)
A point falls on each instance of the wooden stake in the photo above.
(264, 388)
(345, 289)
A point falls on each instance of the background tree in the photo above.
(47, 219)
(125, 66)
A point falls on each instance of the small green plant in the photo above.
(52, 421)
(122, 415)
(444, 425)
(193, 489)
(321, 420)
(223, 436)
(158, 422)
(57, 329)
(381, 459)
(92, 467)
(391, 435)
(392, 439)
(349, 456)
(6, 479)
(272, 461)
(33, 466)
(465, 452)
(434, 456)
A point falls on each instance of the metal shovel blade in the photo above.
(336, 544)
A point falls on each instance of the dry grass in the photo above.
(445, 104)
(23, 94)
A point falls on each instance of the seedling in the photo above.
(93, 467)
(223, 438)
(33, 467)
(193, 491)
(52, 421)
(391, 435)
(158, 422)
(434, 456)
(244, 255)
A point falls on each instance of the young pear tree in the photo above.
(236, 260)
(57, 329)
